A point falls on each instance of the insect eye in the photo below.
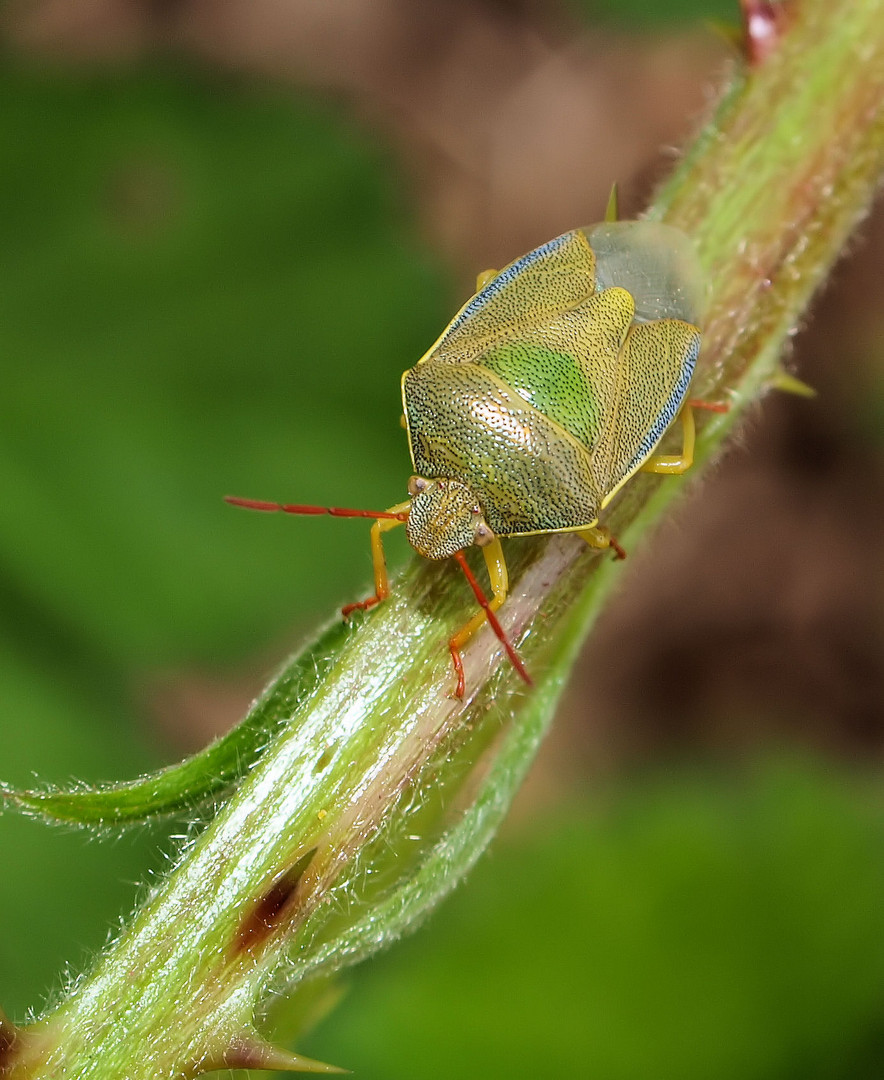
(417, 484)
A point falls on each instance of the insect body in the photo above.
(549, 389)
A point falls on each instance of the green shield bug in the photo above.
(550, 388)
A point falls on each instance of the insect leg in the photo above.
(497, 572)
(381, 581)
(676, 463)
(598, 536)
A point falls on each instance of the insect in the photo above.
(550, 388)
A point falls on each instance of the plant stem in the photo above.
(379, 791)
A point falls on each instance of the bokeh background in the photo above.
(226, 226)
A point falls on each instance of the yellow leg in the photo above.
(497, 572)
(598, 536)
(379, 562)
(483, 279)
(672, 463)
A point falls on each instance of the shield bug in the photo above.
(550, 388)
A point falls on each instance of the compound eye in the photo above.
(417, 484)
(482, 535)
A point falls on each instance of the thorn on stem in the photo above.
(249, 1051)
(790, 384)
(764, 23)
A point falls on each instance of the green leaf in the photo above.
(184, 788)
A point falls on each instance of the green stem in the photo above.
(378, 791)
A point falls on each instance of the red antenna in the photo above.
(342, 511)
(515, 659)
(298, 508)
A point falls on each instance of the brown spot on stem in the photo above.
(325, 758)
(271, 908)
(9, 1041)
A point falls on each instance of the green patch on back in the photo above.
(551, 381)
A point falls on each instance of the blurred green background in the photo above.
(224, 232)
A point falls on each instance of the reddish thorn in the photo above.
(709, 406)
(515, 660)
(764, 22)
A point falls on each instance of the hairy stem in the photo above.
(378, 790)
